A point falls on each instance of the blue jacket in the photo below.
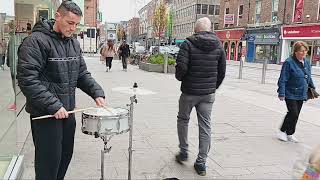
(293, 83)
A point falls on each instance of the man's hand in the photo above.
(281, 98)
(100, 101)
(61, 113)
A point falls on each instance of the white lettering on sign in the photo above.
(315, 31)
(293, 32)
(269, 36)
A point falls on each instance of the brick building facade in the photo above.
(90, 12)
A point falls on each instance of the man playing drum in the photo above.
(50, 68)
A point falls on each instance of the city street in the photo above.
(245, 118)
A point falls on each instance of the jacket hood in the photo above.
(205, 40)
(46, 26)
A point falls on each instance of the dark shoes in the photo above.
(181, 157)
(200, 169)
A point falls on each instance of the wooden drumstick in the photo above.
(69, 112)
(108, 109)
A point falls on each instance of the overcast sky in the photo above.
(7, 7)
(120, 10)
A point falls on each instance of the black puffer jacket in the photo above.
(201, 64)
(50, 68)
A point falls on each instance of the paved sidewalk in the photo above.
(246, 115)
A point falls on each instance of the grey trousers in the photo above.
(203, 105)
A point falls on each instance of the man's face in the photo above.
(67, 23)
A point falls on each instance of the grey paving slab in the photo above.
(245, 118)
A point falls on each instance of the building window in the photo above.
(240, 14)
(216, 26)
(217, 10)
(318, 10)
(258, 11)
(275, 6)
(198, 8)
(298, 11)
(211, 9)
(204, 9)
(227, 10)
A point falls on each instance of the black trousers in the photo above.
(291, 119)
(2, 59)
(124, 62)
(109, 62)
(53, 140)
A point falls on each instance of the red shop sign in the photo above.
(301, 32)
(230, 34)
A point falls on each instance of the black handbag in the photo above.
(312, 93)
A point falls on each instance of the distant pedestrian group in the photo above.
(109, 50)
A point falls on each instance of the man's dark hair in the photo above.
(69, 6)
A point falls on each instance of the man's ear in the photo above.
(57, 15)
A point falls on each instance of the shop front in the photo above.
(231, 42)
(263, 45)
(308, 33)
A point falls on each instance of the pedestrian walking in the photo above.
(293, 84)
(3, 49)
(124, 53)
(201, 67)
(108, 52)
(12, 64)
(50, 68)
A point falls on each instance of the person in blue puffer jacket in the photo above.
(293, 83)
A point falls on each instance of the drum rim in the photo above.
(112, 116)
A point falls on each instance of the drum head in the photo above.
(102, 112)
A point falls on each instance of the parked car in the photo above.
(162, 49)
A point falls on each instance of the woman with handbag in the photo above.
(109, 51)
(293, 84)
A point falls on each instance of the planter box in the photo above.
(172, 69)
(156, 67)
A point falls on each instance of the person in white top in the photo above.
(108, 52)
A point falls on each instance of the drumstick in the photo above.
(69, 112)
(108, 109)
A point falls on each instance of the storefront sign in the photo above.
(266, 38)
(230, 34)
(229, 19)
(251, 38)
(307, 32)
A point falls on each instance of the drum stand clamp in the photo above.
(106, 149)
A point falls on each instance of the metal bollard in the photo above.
(241, 67)
(165, 63)
(264, 71)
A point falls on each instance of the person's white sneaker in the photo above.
(292, 138)
(107, 69)
(282, 136)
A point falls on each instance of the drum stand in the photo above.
(133, 100)
(106, 139)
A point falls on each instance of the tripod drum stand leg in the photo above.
(102, 165)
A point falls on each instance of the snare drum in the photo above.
(100, 122)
